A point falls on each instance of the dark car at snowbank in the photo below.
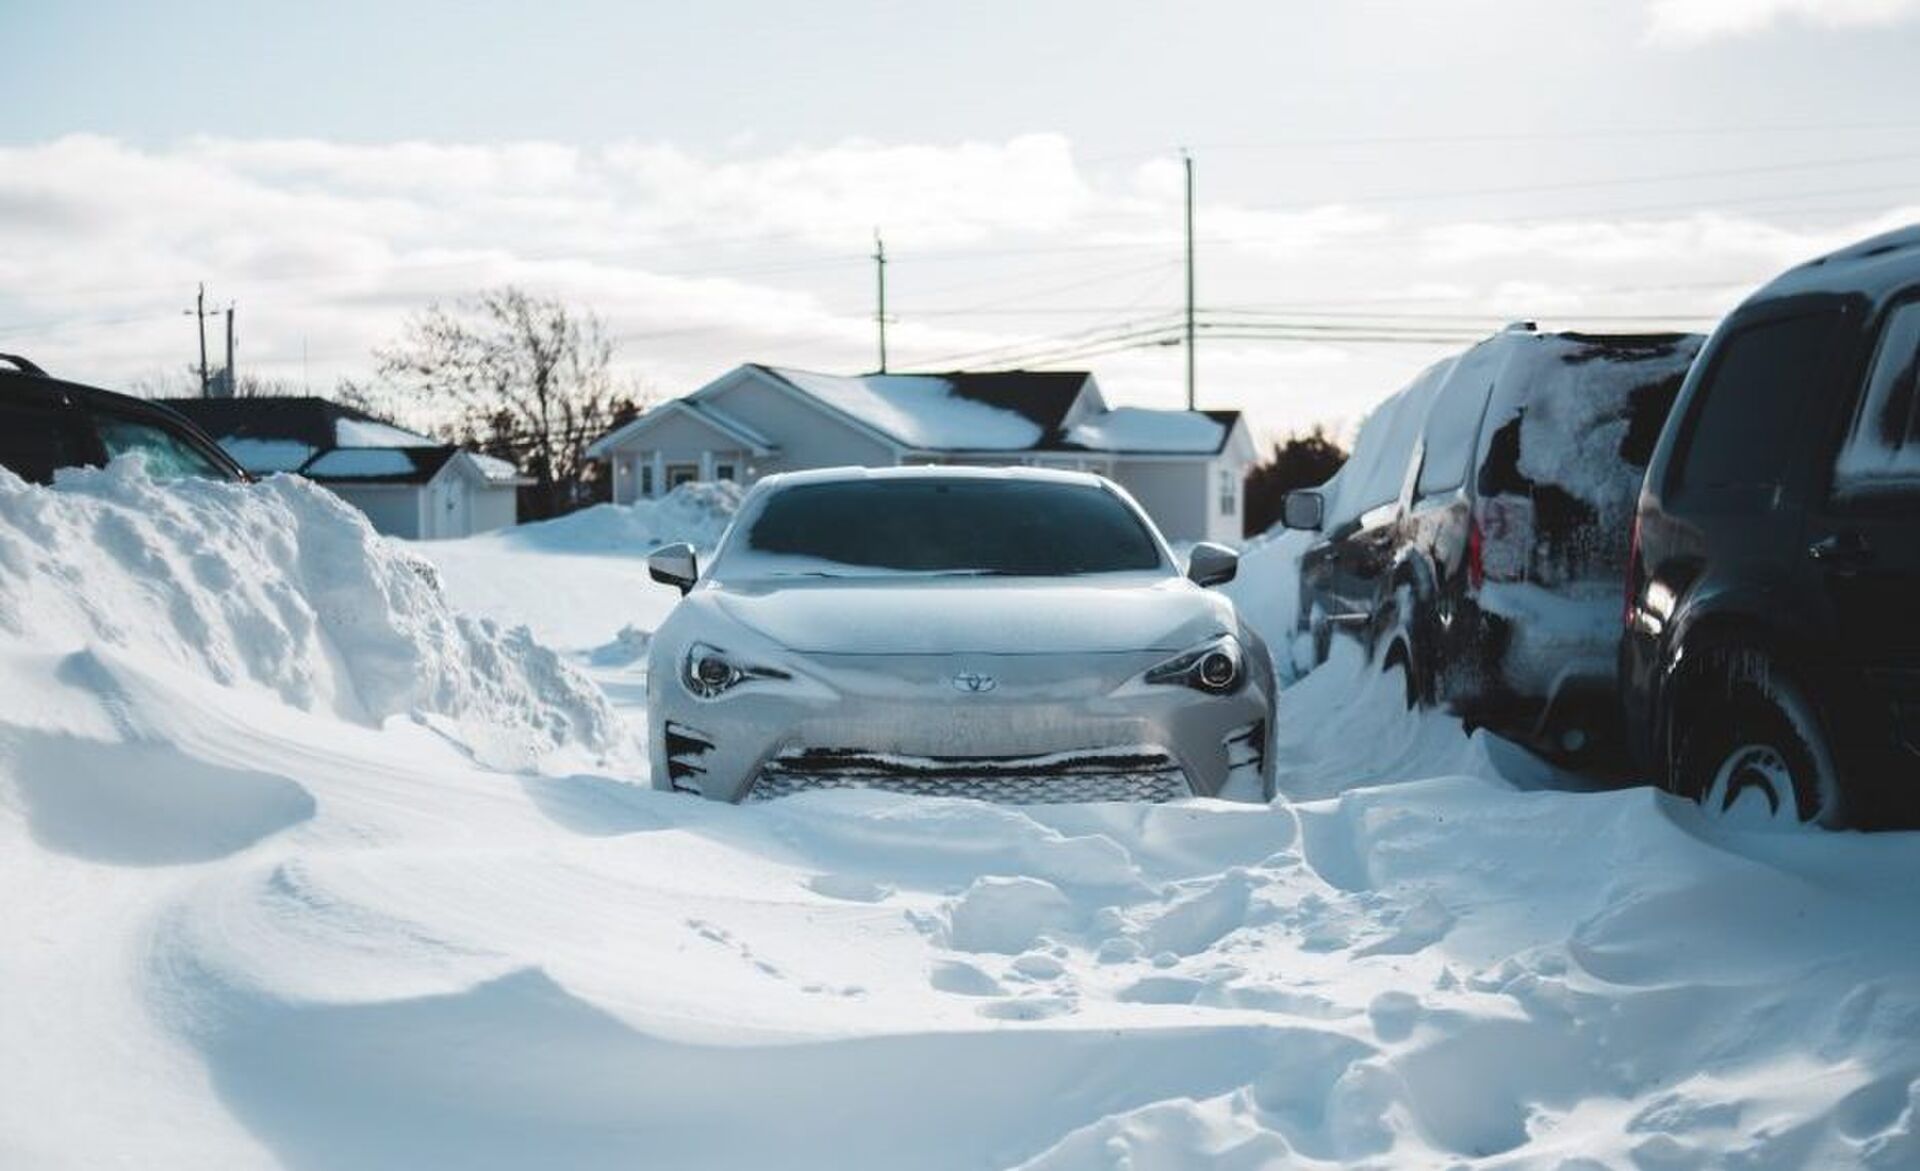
(1476, 541)
(1771, 661)
(48, 423)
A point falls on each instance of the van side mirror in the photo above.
(1305, 509)
(674, 565)
(1211, 565)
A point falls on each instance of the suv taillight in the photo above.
(1499, 540)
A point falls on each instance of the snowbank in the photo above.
(1267, 591)
(279, 587)
(696, 513)
(255, 935)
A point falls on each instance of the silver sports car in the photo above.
(1009, 634)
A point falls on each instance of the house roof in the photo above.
(319, 423)
(955, 411)
(1144, 431)
(326, 440)
(379, 465)
(962, 411)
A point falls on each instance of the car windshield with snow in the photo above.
(1011, 634)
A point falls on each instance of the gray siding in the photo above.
(807, 437)
(495, 507)
(394, 509)
(1176, 493)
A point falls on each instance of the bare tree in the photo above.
(521, 376)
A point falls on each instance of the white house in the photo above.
(1185, 467)
(407, 484)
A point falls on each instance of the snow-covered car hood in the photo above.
(979, 615)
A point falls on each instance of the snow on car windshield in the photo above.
(1026, 528)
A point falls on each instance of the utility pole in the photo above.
(230, 389)
(199, 312)
(1187, 159)
(880, 273)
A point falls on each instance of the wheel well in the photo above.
(1706, 651)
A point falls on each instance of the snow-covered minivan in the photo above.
(1476, 540)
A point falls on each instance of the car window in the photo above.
(169, 455)
(36, 438)
(1028, 528)
(1746, 419)
(1883, 446)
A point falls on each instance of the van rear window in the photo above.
(1744, 417)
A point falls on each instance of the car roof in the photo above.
(1878, 267)
(843, 475)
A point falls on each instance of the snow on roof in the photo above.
(920, 410)
(349, 432)
(495, 469)
(1142, 429)
(266, 456)
(362, 463)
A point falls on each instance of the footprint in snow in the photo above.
(1027, 1008)
(848, 887)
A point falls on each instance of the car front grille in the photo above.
(686, 747)
(1130, 775)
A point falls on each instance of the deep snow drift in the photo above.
(248, 932)
(282, 588)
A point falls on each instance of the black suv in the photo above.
(47, 424)
(1477, 537)
(1771, 660)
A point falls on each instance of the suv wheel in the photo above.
(1752, 747)
(1405, 649)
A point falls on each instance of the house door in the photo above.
(452, 510)
(678, 474)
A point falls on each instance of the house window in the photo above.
(678, 474)
(646, 478)
(1229, 493)
(723, 471)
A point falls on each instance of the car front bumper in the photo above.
(1052, 728)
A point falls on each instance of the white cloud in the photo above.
(1692, 22)
(699, 263)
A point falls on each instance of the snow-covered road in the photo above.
(247, 929)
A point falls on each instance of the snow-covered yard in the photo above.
(309, 865)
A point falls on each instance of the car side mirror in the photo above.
(1211, 565)
(674, 565)
(1305, 509)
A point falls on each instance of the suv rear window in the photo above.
(1742, 429)
(1883, 446)
(36, 438)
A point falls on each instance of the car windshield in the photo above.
(1028, 528)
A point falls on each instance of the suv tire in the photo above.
(1748, 727)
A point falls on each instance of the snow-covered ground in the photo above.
(278, 896)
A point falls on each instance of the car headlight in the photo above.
(1217, 667)
(709, 672)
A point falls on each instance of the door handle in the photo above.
(1840, 549)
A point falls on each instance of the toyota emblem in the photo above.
(974, 683)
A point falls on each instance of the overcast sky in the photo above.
(708, 177)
